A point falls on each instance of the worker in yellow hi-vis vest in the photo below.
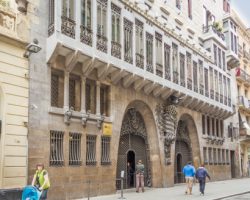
(41, 180)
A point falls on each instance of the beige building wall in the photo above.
(14, 93)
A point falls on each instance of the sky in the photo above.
(242, 7)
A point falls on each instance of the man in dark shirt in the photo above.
(201, 175)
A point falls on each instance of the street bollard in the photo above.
(121, 197)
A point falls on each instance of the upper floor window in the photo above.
(57, 89)
(226, 5)
(139, 44)
(105, 100)
(189, 71)
(201, 79)
(149, 52)
(90, 96)
(195, 75)
(211, 81)
(175, 63)
(167, 61)
(86, 13)
(158, 50)
(190, 9)
(51, 17)
(68, 9)
(116, 22)
(128, 41)
(75, 92)
(102, 17)
(182, 70)
(206, 82)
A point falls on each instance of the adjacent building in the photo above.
(243, 82)
(14, 96)
(117, 81)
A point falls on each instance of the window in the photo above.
(221, 88)
(128, 41)
(221, 128)
(223, 157)
(116, 22)
(105, 156)
(203, 124)
(158, 50)
(149, 52)
(219, 57)
(105, 100)
(91, 150)
(101, 17)
(182, 70)
(224, 60)
(75, 92)
(51, 17)
(225, 89)
(189, 71)
(217, 128)
(195, 75)
(227, 157)
(190, 9)
(215, 54)
(213, 126)
(167, 62)
(201, 77)
(215, 156)
(90, 96)
(210, 155)
(75, 148)
(216, 83)
(211, 81)
(232, 41)
(206, 82)
(57, 89)
(139, 44)
(175, 63)
(219, 157)
(86, 14)
(208, 125)
(68, 9)
(205, 155)
(56, 148)
(230, 130)
(229, 91)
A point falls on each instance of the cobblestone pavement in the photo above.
(214, 191)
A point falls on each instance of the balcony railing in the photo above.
(212, 29)
(225, 100)
(86, 35)
(159, 70)
(139, 60)
(243, 102)
(212, 94)
(128, 57)
(201, 89)
(168, 74)
(51, 29)
(221, 98)
(149, 66)
(116, 49)
(101, 43)
(175, 77)
(189, 83)
(217, 96)
(68, 27)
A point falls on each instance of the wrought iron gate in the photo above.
(133, 138)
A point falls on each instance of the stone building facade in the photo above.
(243, 82)
(119, 81)
(14, 96)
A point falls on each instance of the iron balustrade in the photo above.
(75, 149)
(56, 148)
(159, 70)
(207, 29)
(68, 27)
(139, 60)
(116, 49)
(101, 43)
(189, 83)
(86, 35)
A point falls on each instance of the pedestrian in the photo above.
(139, 176)
(130, 175)
(41, 180)
(189, 173)
(201, 175)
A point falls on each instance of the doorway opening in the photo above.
(130, 169)
(232, 155)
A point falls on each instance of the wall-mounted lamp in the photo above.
(32, 47)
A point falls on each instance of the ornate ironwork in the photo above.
(217, 96)
(75, 148)
(159, 70)
(167, 62)
(68, 26)
(139, 60)
(189, 84)
(54, 90)
(201, 89)
(91, 150)
(167, 120)
(51, 29)
(221, 98)
(115, 8)
(56, 148)
(116, 49)
(101, 43)
(105, 155)
(128, 33)
(86, 35)
(149, 52)
(175, 77)
(212, 94)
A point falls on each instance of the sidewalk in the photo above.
(213, 191)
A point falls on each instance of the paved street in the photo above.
(240, 197)
(214, 190)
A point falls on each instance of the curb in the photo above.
(232, 195)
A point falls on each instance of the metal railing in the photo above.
(213, 29)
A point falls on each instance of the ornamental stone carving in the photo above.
(167, 120)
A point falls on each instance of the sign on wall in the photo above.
(107, 129)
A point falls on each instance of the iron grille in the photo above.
(91, 150)
(75, 148)
(54, 90)
(105, 156)
(68, 27)
(56, 148)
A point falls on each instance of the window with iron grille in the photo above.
(203, 124)
(205, 155)
(116, 31)
(167, 61)
(219, 157)
(201, 75)
(210, 156)
(223, 157)
(75, 148)
(86, 14)
(158, 50)
(51, 27)
(221, 128)
(101, 17)
(128, 41)
(206, 82)
(91, 96)
(105, 156)
(68, 9)
(75, 93)
(56, 148)
(216, 83)
(91, 150)
(195, 75)
(215, 156)
(213, 126)
(175, 63)
(105, 99)
(149, 52)
(139, 48)
(217, 128)
(182, 70)
(224, 60)
(56, 89)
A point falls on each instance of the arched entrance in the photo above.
(133, 146)
(186, 146)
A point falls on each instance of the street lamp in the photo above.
(32, 47)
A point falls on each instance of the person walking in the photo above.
(201, 175)
(41, 180)
(189, 173)
(139, 176)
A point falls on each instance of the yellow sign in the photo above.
(107, 129)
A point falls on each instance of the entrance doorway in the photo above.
(130, 169)
(232, 156)
(179, 168)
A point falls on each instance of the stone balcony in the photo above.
(108, 61)
(242, 76)
(211, 33)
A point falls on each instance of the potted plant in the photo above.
(22, 5)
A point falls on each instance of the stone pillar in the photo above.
(66, 91)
